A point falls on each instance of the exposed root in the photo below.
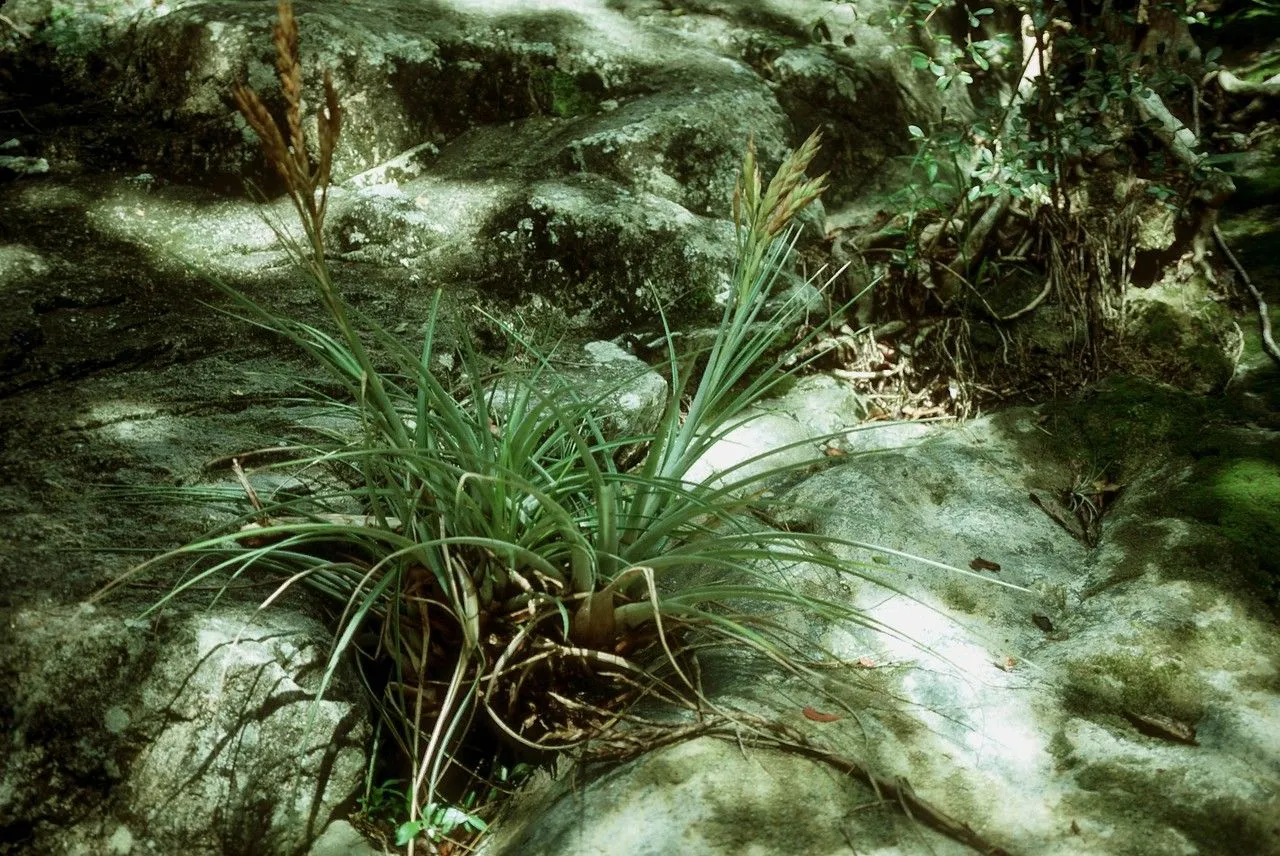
(1264, 316)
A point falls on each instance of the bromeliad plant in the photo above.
(506, 568)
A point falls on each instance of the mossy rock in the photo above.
(1166, 340)
(566, 95)
(1224, 824)
(1241, 496)
(1131, 683)
(1130, 423)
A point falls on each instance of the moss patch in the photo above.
(565, 95)
(1151, 798)
(960, 595)
(1196, 462)
(1241, 496)
(1179, 346)
(1113, 684)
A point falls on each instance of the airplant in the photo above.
(506, 568)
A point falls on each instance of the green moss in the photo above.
(1063, 750)
(1171, 422)
(959, 596)
(1259, 187)
(1247, 492)
(1115, 684)
(1152, 799)
(1241, 496)
(565, 95)
(1180, 346)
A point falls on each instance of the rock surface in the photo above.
(196, 734)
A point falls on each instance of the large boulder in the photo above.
(572, 163)
(1120, 697)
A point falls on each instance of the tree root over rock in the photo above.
(625, 745)
(1264, 314)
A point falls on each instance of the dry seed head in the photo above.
(289, 67)
(788, 191)
(259, 118)
(747, 191)
(328, 128)
(808, 149)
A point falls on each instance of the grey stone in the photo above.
(196, 734)
(342, 839)
(623, 393)
(707, 797)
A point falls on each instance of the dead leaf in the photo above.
(1163, 727)
(865, 663)
(1043, 622)
(818, 716)
(981, 564)
(1006, 663)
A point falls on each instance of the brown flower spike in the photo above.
(286, 145)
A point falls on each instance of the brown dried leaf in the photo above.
(817, 716)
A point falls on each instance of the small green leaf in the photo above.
(919, 61)
(914, 130)
(408, 831)
(454, 816)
